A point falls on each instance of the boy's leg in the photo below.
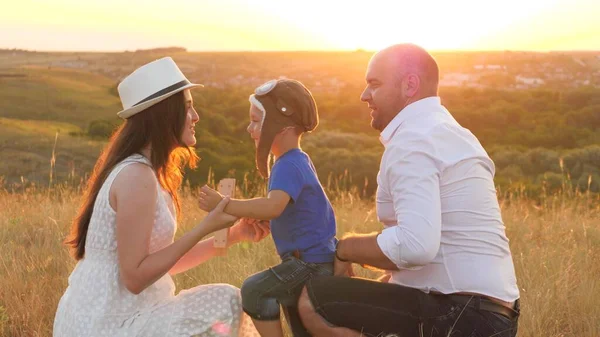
(290, 309)
(268, 328)
(262, 293)
(293, 318)
(260, 306)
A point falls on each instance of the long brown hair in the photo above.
(160, 126)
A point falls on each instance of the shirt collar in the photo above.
(411, 110)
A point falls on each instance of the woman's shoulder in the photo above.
(136, 158)
(133, 174)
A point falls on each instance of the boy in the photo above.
(302, 219)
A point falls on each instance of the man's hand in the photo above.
(209, 198)
(385, 278)
(342, 268)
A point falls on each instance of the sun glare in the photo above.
(309, 25)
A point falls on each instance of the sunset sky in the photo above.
(232, 25)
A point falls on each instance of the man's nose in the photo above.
(365, 96)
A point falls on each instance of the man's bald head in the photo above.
(396, 77)
(407, 58)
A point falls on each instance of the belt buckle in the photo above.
(296, 254)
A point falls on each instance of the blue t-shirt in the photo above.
(307, 224)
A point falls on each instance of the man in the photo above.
(449, 270)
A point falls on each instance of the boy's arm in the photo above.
(258, 208)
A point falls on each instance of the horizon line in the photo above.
(357, 50)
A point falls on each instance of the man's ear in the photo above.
(412, 84)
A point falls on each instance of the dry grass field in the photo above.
(555, 245)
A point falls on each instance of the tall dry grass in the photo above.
(555, 244)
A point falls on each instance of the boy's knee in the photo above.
(255, 302)
(250, 286)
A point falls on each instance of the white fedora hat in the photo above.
(150, 84)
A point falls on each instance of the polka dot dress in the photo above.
(96, 303)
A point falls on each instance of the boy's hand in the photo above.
(209, 198)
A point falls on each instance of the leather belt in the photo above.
(482, 303)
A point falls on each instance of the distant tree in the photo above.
(102, 128)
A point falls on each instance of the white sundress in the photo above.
(97, 303)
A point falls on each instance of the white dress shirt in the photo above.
(437, 200)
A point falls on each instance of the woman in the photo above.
(123, 234)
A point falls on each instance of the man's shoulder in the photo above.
(446, 141)
(417, 135)
(438, 130)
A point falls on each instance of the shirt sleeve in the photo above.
(413, 177)
(286, 177)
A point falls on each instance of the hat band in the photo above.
(164, 91)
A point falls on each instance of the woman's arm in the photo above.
(134, 194)
(243, 230)
(202, 252)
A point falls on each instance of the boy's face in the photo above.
(254, 128)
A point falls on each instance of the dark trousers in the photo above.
(382, 309)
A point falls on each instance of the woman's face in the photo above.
(188, 134)
(256, 116)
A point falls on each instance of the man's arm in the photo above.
(363, 249)
(412, 175)
(413, 179)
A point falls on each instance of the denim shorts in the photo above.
(264, 292)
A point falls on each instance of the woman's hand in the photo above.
(251, 230)
(209, 198)
(217, 219)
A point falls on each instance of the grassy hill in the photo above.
(44, 109)
(27, 149)
(517, 127)
(57, 94)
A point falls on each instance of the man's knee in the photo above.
(316, 324)
(305, 307)
(312, 321)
